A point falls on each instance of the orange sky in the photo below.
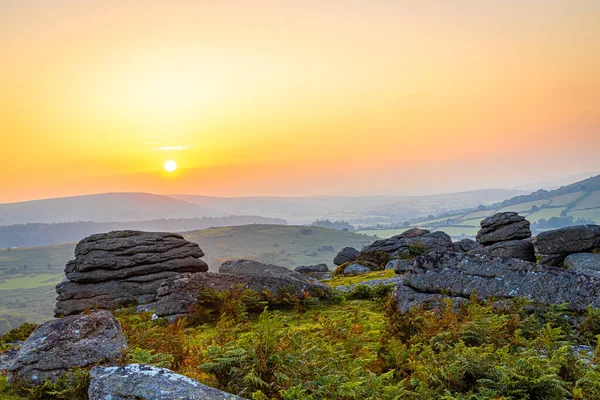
(295, 97)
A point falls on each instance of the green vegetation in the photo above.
(28, 275)
(589, 200)
(525, 207)
(350, 349)
(342, 280)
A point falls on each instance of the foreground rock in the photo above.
(137, 381)
(409, 244)
(178, 295)
(121, 268)
(502, 227)
(356, 269)
(400, 266)
(519, 249)
(319, 271)
(466, 245)
(557, 244)
(407, 298)
(459, 275)
(346, 255)
(8, 356)
(584, 263)
(74, 341)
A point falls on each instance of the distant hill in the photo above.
(40, 234)
(577, 203)
(105, 207)
(28, 275)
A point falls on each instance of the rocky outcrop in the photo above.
(120, 268)
(406, 298)
(502, 234)
(346, 255)
(356, 269)
(9, 355)
(519, 249)
(459, 275)
(556, 245)
(400, 266)
(138, 381)
(466, 245)
(502, 227)
(177, 296)
(252, 268)
(74, 341)
(319, 271)
(584, 263)
(410, 244)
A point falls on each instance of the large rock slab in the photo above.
(59, 345)
(459, 275)
(252, 268)
(347, 254)
(122, 254)
(557, 244)
(466, 245)
(407, 298)
(75, 298)
(519, 249)
(584, 263)
(503, 227)
(411, 243)
(138, 381)
(177, 296)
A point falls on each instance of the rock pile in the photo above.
(73, 341)
(504, 235)
(120, 268)
(346, 255)
(556, 245)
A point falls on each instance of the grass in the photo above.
(459, 231)
(545, 213)
(592, 200)
(31, 282)
(565, 199)
(352, 280)
(593, 214)
(384, 233)
(524, 207)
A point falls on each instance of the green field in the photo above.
(524, 207)
(28, 275)
(459, 231)
(592, 200)
(565, 199)
(545, 213)
(593, 214)
(478, 214)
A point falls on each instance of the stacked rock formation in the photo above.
(556, 245)
(121, 268)
(410, 244)
(503, 234)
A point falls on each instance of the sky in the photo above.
(295, 98)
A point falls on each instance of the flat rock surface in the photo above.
(252, 268)
(138, 381)
(457, 274)
(557, 244)
(519, 249)
(56, 346)
(584, 263)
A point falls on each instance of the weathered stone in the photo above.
(557, 244)
(252, 268)
(74, 298)
(400, 266)
(122, 254)
(178, 295)
(402, 246)
(347, 254)
(396, 280)
(519, 249)
(503, 227)
(9, 355)
(74, 341)
(584, 263)
(466, 245)
(407, 298)
(123, 268)
(311, 269)
(138, 381)
(459, 275)
(356, 269)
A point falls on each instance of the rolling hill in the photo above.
(576, 203)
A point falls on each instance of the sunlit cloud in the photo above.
(172, 148)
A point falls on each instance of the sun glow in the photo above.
(170, 166)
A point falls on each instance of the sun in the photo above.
(170, 166)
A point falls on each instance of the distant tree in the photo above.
(533, 208)
(406, 224)
(563, 213)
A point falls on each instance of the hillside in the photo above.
(577, 203)
(28, 275)
(104, 207)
